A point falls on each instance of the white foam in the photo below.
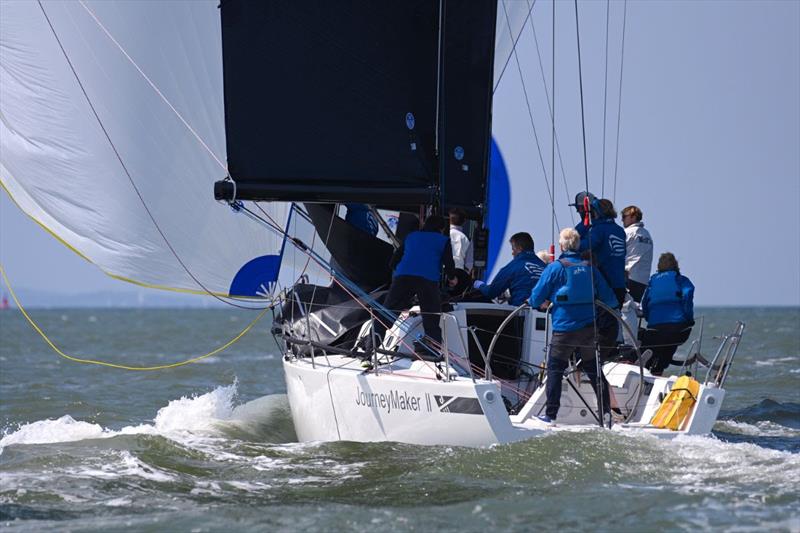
(201, 413)
(118, 502)
(198, 413)
(64, 429)
(776, 360)
(762, 428)
(713, 464)
(131, 466)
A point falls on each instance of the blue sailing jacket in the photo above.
(576, 310)
(361, 217)
(606, 240)
(423, 255)
(519, 276)
(669, 299)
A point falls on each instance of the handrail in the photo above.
(487, 370)
(716, 356)
(503, 324)
(730, 345)
(625, 325)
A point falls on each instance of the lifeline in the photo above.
(388, 401)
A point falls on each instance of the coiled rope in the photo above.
(117, 365)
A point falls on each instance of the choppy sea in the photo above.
(211, 446)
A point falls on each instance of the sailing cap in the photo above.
(579, 199)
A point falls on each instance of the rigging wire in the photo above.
(153, 85)
(513, 43)
(600, 376)
(583, 113)
(225, 300)
(530, 113)
(551, 109)
(619, 103)
(605, 105)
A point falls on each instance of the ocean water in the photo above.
(211, 446)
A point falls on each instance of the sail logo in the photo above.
(265, 291)
(258, 277)
(458, 404)
(533, 269)
(616, 244)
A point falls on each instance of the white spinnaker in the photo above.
(511, 19)
(61, 168)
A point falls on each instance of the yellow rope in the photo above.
(115, 365)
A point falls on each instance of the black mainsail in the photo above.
(341, 101)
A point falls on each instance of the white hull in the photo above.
(412, 401)
(339, 401)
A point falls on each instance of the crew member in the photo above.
(545, 256)
(519, 276)
(462, 248)
(638, 252)
(418, 265)
(572, 285)
(604, 242)
(361, 217)
(668, 306)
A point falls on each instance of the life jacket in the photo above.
(422, 255)
(664, 288)
(579, 289)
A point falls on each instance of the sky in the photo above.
(709, 144)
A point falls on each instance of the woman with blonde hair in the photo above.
(668, 307)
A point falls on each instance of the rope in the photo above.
(514, 44)
(588, 207)
(226, 300)
(583, 113)
(348, 286)
(156, 89)
(116, 365)
(555, 143)
(530, 113)
(619, 103)
(552, 107)
(605, 103)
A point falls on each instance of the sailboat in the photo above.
(289, 110)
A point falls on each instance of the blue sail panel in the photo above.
(257, 277)
(499, 205)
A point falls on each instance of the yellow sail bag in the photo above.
(677, 405)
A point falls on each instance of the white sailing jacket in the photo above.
(638, 252)
(462, 248)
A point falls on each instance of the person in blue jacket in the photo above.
(603, 240)
(668, 307)
(519, 276)
(571, 285)
(361, 217)
(418, 264)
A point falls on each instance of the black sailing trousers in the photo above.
(402, 292)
